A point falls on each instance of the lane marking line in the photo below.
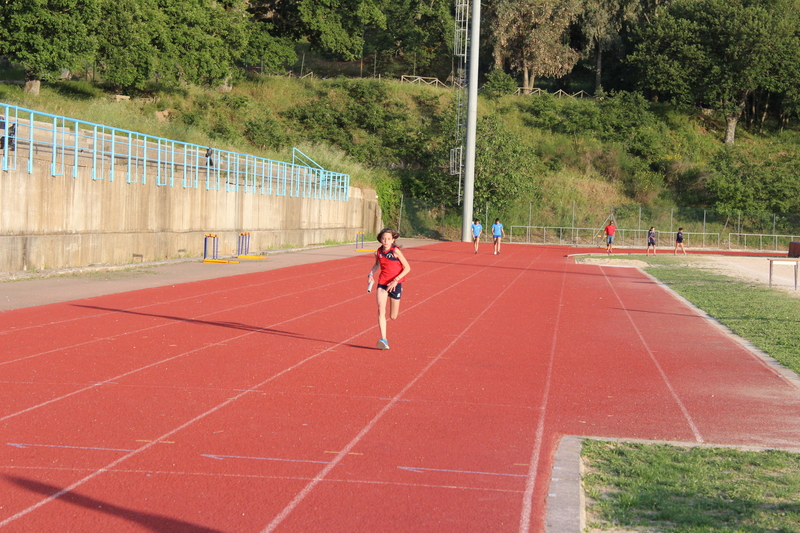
(697, 435)
(536, 453)
(420, 470)
(216, 408)
(292, 505)
(221, 457)
(188, 423)
(23, 446)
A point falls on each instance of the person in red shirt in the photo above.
(611, 229)
(394, 267)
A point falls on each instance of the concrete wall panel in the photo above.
(49, 222)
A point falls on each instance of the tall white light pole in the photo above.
(472, 118)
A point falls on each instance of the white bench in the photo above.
(783, 261)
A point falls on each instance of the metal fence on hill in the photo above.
(69, 144)
(583, 226)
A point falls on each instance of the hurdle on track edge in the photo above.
(212, 240)
(243, 248)
(360, 242)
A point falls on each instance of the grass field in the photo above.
(671, 489)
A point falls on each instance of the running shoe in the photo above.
(383, 344)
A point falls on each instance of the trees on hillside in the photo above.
(419, 31)
(718, 52)
(47, 36)
(601, 23)
(131, 36)
(532, 37)
(335, 26)
(131, 41)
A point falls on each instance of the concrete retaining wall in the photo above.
(60, 222)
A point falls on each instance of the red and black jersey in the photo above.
(390, 265)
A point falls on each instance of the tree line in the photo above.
(741, 57)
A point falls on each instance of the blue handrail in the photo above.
(73, 143)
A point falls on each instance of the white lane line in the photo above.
(420, 470)
(222, 457)
(298, 499)
(229, 401)
(219, 343)
(173, 431)
(226, 475)
(697, 435)
(23, 446)
(176, 320)
(536, 453)
(155, 304)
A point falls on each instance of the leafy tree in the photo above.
(718, 52)
(336, 26)
(130, 35)
(46, 36)
(205, 40)
(601, 23)
(532, 37)
(741, 182)
(422, 30)
(506, 169)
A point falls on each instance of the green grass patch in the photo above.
(769, 319)
(672, 489)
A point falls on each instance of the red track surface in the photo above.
(258, 402)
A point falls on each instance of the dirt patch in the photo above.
(612, 261)
(744, 268)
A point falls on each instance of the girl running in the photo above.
(389, 259)
(679, 242)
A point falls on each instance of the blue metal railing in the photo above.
(70, 143)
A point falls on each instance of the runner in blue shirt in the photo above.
(497, 234)
(477, 229)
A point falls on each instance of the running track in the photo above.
(258, 403)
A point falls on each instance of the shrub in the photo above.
(498, 83)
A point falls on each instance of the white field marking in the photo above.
(758, 355)
(173, 322)
(23, 446)
(222, 457)
(219, 343)
(184, 354)
(697, 435)
(366, 429)
(420, 470)
(194, 296)
(173, 431)
(262, 476)
(530, 483)
(227, 402)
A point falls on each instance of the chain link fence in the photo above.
(581, 225)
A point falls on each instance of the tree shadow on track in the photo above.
(233, 325)
(153, 522)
